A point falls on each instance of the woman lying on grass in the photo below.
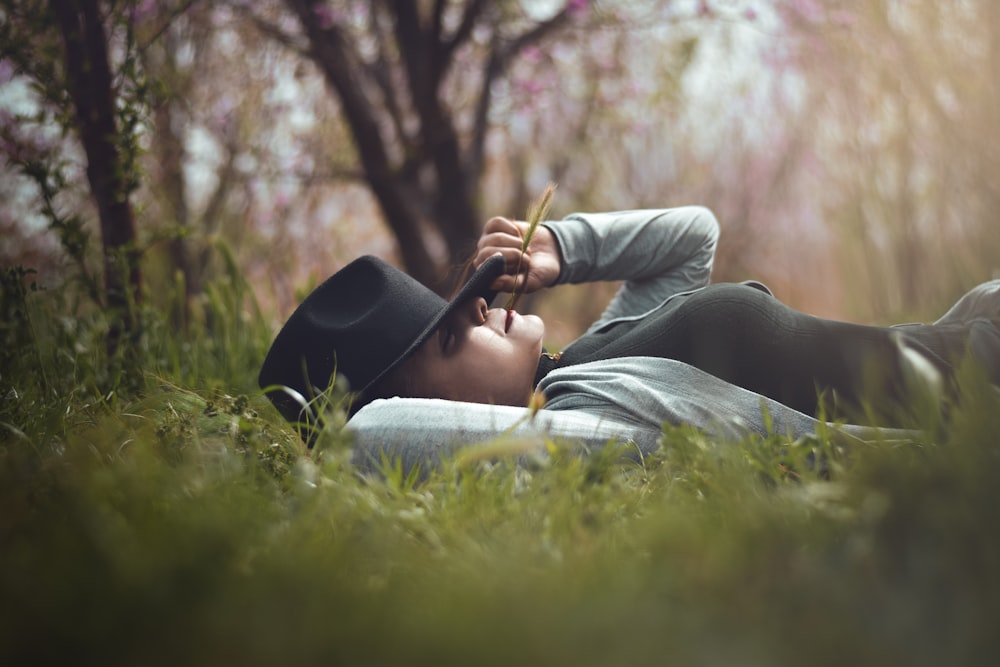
(670, 347)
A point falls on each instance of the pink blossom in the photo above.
(6, 71)
(326, 17)
(750, 14)
(222, 112)
(530, 86)
(144, 10)
(844, 19)
(12, 149)
(810, 10)
(577, 7)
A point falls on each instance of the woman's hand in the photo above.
(540, 264)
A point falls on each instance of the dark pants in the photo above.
(749, 338)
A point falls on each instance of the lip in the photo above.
(509, 319)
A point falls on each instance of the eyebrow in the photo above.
(439, 336)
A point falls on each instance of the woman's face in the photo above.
(474, 356)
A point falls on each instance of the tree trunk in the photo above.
(435, 181)
(88, 78)
(329, 50)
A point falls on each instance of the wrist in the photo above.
(549, 242)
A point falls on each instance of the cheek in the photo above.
(499, 370)
(490, 355)
(534, 332)
(490, 368)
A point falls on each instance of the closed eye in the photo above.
(447, 338)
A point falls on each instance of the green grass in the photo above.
(183, 523)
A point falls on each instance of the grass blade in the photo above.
(536, 213)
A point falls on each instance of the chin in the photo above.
(537, 324)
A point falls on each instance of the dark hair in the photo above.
(399, 382)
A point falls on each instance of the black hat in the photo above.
(361, 323)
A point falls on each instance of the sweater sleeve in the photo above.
(658, 252)
(651, 391)
(423, 431)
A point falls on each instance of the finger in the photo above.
(516, 275)
(510, 258)
(502, 225)
(499, 240)
(513, 228)
(510, 255)
(522, 281)
(504, 283)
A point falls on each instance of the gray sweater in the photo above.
(660, 254)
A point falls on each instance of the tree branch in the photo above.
(380, 74)
(436, 27)
(475, 157)
(446, 49)
(330, 50)
(500, 58)
(532, 36)
(166, 24)
(413, 51)
(274, 32)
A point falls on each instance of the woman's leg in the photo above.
(980, 302)
(751, 339)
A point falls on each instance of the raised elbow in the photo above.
(706, 223)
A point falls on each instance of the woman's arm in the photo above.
(422, 431)
(658, 253)
(639, 245)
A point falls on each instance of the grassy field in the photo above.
(168, 516)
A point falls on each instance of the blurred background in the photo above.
(848, 149)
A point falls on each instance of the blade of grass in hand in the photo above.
(536, 213)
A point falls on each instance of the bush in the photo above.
(184, 523)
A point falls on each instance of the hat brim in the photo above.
(478, 285)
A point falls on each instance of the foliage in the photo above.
(67, 51)
(194, 527)
(408, 77)
(165, 514)
(33, 142)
